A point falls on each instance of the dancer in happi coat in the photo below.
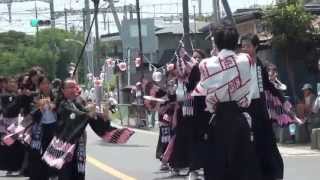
(166, 112)
(163, 102)
(42, 131)
(279, 108)
(200, 118)
(270, 160)
(66, 152)
(180, 151)
(226, 81)
(12, 102)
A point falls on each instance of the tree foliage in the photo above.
(49, 49)
(290, 23)
(292, 31)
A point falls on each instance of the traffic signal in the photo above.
(37, 22)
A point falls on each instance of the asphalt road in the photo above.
(136, 160)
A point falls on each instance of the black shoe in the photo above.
(175, 172)
(193, 175)
(164, 167)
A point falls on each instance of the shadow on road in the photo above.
(167, 175)
(170, 177)
(102, 143)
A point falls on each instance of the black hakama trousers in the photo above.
(12, 156)
(180, 157)
(231, 154)
(270, 159)
(37, 168)
(200, 126)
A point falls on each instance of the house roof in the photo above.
(247, 16)
(313, 7)
(177, 28)
(240, 16)
(110, 37)
(161, 28)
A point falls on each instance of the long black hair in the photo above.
(226, 37)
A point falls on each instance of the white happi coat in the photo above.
(227, 77)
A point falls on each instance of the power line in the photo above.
(44, 13)
(19, 1)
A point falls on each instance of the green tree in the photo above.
(42, 56)
(291, 26)
(65, 51)
(10, 63)
(10, 41)
(19, 52)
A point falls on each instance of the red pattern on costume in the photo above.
(227, 63)
(251, 60)
(234, 85)
(215, 73)
(225, 78)
(237, 67)
(244, 102)
(214, 100)
(197, 90)
(205, 69)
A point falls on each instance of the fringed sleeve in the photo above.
(268, 85)
(108, 133)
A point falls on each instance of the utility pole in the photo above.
(131, 13)
(84, 20)
(195, 27)
(96, 8)
(186, 26)
(139, 107)
(129, 67)
(177, 7)
(195, 19)
(216, 14)
(35, 6)
(125, 13)
(200, 7)
(104, 21)
(65, 19)
(9, 11)
(97, 43)
(89, 47)
(115, 15)
(140, 38)
(228, 12)
(52, 17)
(108, 21)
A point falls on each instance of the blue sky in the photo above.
(24, 12)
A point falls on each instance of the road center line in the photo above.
(108, 169)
